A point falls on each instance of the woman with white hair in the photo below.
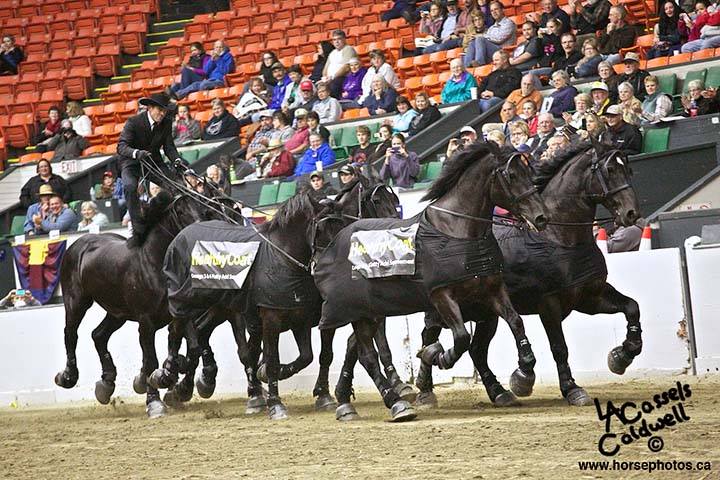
(699, 101)
(631, 106)
(564, 94)
(583, 102)
(457, 88)
(382, 97)
(91, 216)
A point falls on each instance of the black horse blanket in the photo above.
(440, 260)
(271, 281)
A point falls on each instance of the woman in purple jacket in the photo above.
(194, 70)
(400, 165)
(352, 86)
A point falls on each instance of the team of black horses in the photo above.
(469, 265)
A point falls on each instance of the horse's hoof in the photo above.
(66, 380)
(406, 392)
(156, 409)
(278, 412)
(578, 397)
(184, 391)
(140, 384)
(205, 389)
(618, 360)
(161, 379)
(402, 411)
(103, 391)
(182, 364)
(521, 383)
(346, 413)
(429, 355)
(256, 404)
(506, 399)
(262, 373)
(325, 402)
(426, 400)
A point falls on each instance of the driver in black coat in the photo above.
(140, 143)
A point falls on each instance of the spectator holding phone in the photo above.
(18, 298)
(431, 21)
(400, 165)
(10, 56)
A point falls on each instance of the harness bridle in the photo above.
(596, 167)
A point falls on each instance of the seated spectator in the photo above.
(318, 157)
(617, 35)
(634, 75)
(620, 134)
(292, 98)
(589, 16)
(431, 21)
(300, 139)
(502, 80)
(551, 48)
(546, 129)
(382, 97)
(378, 66)
(657, 104)
(318, 188)
(337, 66)
(307, 96)
(529, 116)
(377, 151)
(401, 9)
(10, 56)
(261, 139)
(19, 298)
(221, 124)
(594, 127)
(347, 175)
(352, 86)
(452, 31)
(220, 64)
(626, 239)
(519, 134)
(400, 165)
(278, 93)
(40, 208)
(583, 102)
(610, 78)
(67, 144)
(91, 216)
(323, 50)
(527, 54)
(631, 106)
(314, 126)
(29, 193)
(194, 70)
(427, 114)
(600, 98)
(51, 128)
(459, 85)
(704, 31)
(563, 97)
(497, 137)
(554, 143)
(569, 57)
(277, 161)
(588, 64)
(327, 107)
(468, 136)
(695, 103)
(526, 92)
(401, 122)
(110, 188)
(508, 114)
(215, 178)
(476, 28)
(282, 130)
(58, 217)
(669, 33)
(80, 122)
(364, 149)
(498, 35)
(185, 129)
(551, 11)
(268, 60)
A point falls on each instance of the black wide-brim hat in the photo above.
(161, 100)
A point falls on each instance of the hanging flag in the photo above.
(38, 266)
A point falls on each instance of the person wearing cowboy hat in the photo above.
(38, 209)
(277, 162)
(620, 134)
(634, 75)
(138, 151)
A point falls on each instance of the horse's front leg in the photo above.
(444, 301)
(105, 387)
(405, 391)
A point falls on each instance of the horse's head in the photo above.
(610, 182)
(172, 212)
(512, 189)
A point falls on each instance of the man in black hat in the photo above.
(347, 174)
(138, 151)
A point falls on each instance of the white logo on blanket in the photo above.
(222, 265)
(383, 253)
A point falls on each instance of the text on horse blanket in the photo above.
(223, 265)
(383, 253)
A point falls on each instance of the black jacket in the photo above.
(424, 119)
(623, 37)
(626, 138)
(29, 191)
(637, 80)
(567, 63)
(136, 135)
(224, 126)
(502, 82)
(591, 18)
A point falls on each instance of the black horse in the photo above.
(279, 295)
(457, 267)
(558, 271)
(128, 283)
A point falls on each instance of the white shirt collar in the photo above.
(150, 119)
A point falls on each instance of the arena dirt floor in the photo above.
(543, 439)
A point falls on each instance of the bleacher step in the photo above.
(169, 26)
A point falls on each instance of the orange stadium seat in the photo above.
(18, 129)
(30, 157)
(79, 83)
(105, 61)
(703, 54)
(49, 98)
(94, 150)
(681, 58)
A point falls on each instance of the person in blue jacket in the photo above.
(279, 73)
(382, 97)
(319, 151)
(220, 64)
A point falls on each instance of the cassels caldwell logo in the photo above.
(662, 415)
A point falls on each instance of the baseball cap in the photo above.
(347, 170)
(523, 148)
(276, 66)
(108, 173)
(306, 85)
(301, 113)
(316, 174)
(598, 86)
(631, 57)
(613, 110)
(266, 113)
(467, 129)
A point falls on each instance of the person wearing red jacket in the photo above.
(705, 31)
(278, 162)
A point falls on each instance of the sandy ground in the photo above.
(542, 439)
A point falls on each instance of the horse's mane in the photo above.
(298, 204)
(545, 171)
(456, 167)
(155, 209)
